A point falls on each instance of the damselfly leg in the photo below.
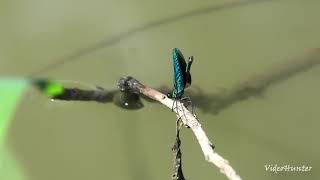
(178, 106)
(187, 102)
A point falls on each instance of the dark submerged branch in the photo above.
(76, 94)
(177, 157)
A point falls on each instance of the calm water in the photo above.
(72, 140)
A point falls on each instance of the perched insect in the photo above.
(182, 76)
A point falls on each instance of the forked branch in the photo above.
(132, 85)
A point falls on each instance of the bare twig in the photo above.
(132, 85)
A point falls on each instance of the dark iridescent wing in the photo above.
(188, 74)
(188, 79)
(179, 66)
(178, 57)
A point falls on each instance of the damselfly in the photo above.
(182, 77)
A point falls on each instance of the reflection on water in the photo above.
(116, 39)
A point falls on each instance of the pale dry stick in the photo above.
(133, 85)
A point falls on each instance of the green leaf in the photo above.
(10, 92)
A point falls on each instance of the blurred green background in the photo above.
(230, 42)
